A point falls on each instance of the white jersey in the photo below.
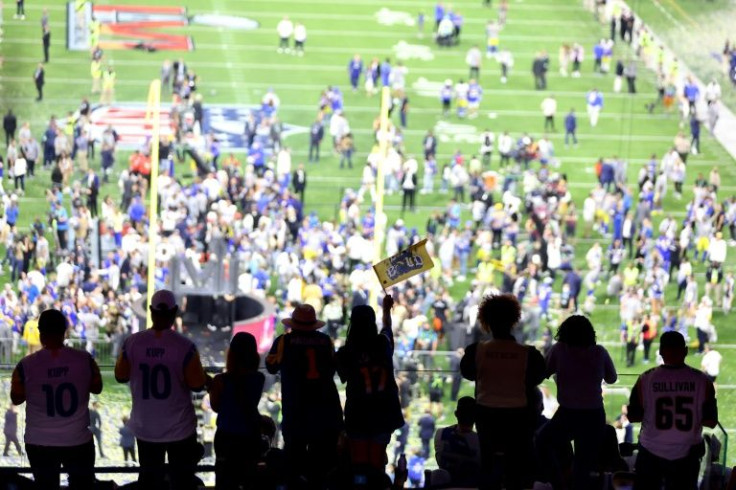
(162, 402)
(674, 401)
(285, 28)
(57, 385)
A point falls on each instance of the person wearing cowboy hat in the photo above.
(312, 414)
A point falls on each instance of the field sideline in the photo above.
(236, 68)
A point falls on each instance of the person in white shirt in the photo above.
(505, 61)
(717, 250)
(473, 60)
(505, 144)
(549, 109)
(285, 29)
(713, 92)
(711, 363)
(300, 37)
(19, 174)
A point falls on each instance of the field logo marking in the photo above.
(427, 88)
(225, 121)
(406, 51)
(388, 17)
(457, 133)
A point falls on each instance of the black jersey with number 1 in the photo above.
(306, 362)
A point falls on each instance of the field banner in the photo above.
(141, 27)
(78, 17)
(405, 264)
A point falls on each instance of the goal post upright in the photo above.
(153, 121)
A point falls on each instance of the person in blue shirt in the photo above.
(598, 56)
(355, 69)
(12, 213)
(439, 13)
(62, 225)
(475, 94)
(594, 101)
(571, 126)
(691, 92)
(457, 21)
(385, 70)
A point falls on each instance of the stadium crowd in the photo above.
(509, 227)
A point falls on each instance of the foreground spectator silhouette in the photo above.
(55, 383)
(234, 395)
(578, 365)
(673, 402)
(163, 368)
(457, 448)
(506, 376)
(312, 415)
(372, 409)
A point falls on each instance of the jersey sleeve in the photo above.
(122, 365)
(635, 408)
(536, 367)
(710, 407)
(610, 375)
(193, 371)
(467, 364)
(95, 385)
(17, 385)
(275, 355)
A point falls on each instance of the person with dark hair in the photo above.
(578, 364)
(234, 395)
(673, 402)
(163, 368)
(312, 415)
(56, 383)
(372, 408)
(506, 376)
(457, 448)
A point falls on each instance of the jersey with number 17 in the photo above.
(57, 386)
(674, 402)
(162, 401)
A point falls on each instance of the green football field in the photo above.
(235, 68)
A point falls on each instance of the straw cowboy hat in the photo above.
(303, 318)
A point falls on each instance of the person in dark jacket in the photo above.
(372, 409)
(316, 133)
(571, 126)
(234, 395)
(127, 441)
(39, 80)
(311, 410)
(540, 66)
(10, 124)
(427, 426)
(299, 181)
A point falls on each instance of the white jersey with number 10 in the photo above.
(162, 401)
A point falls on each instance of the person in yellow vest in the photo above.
(631, 275)
(108, 86)
(32, 336)
(95, 69)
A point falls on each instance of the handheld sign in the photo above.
(405, 264)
